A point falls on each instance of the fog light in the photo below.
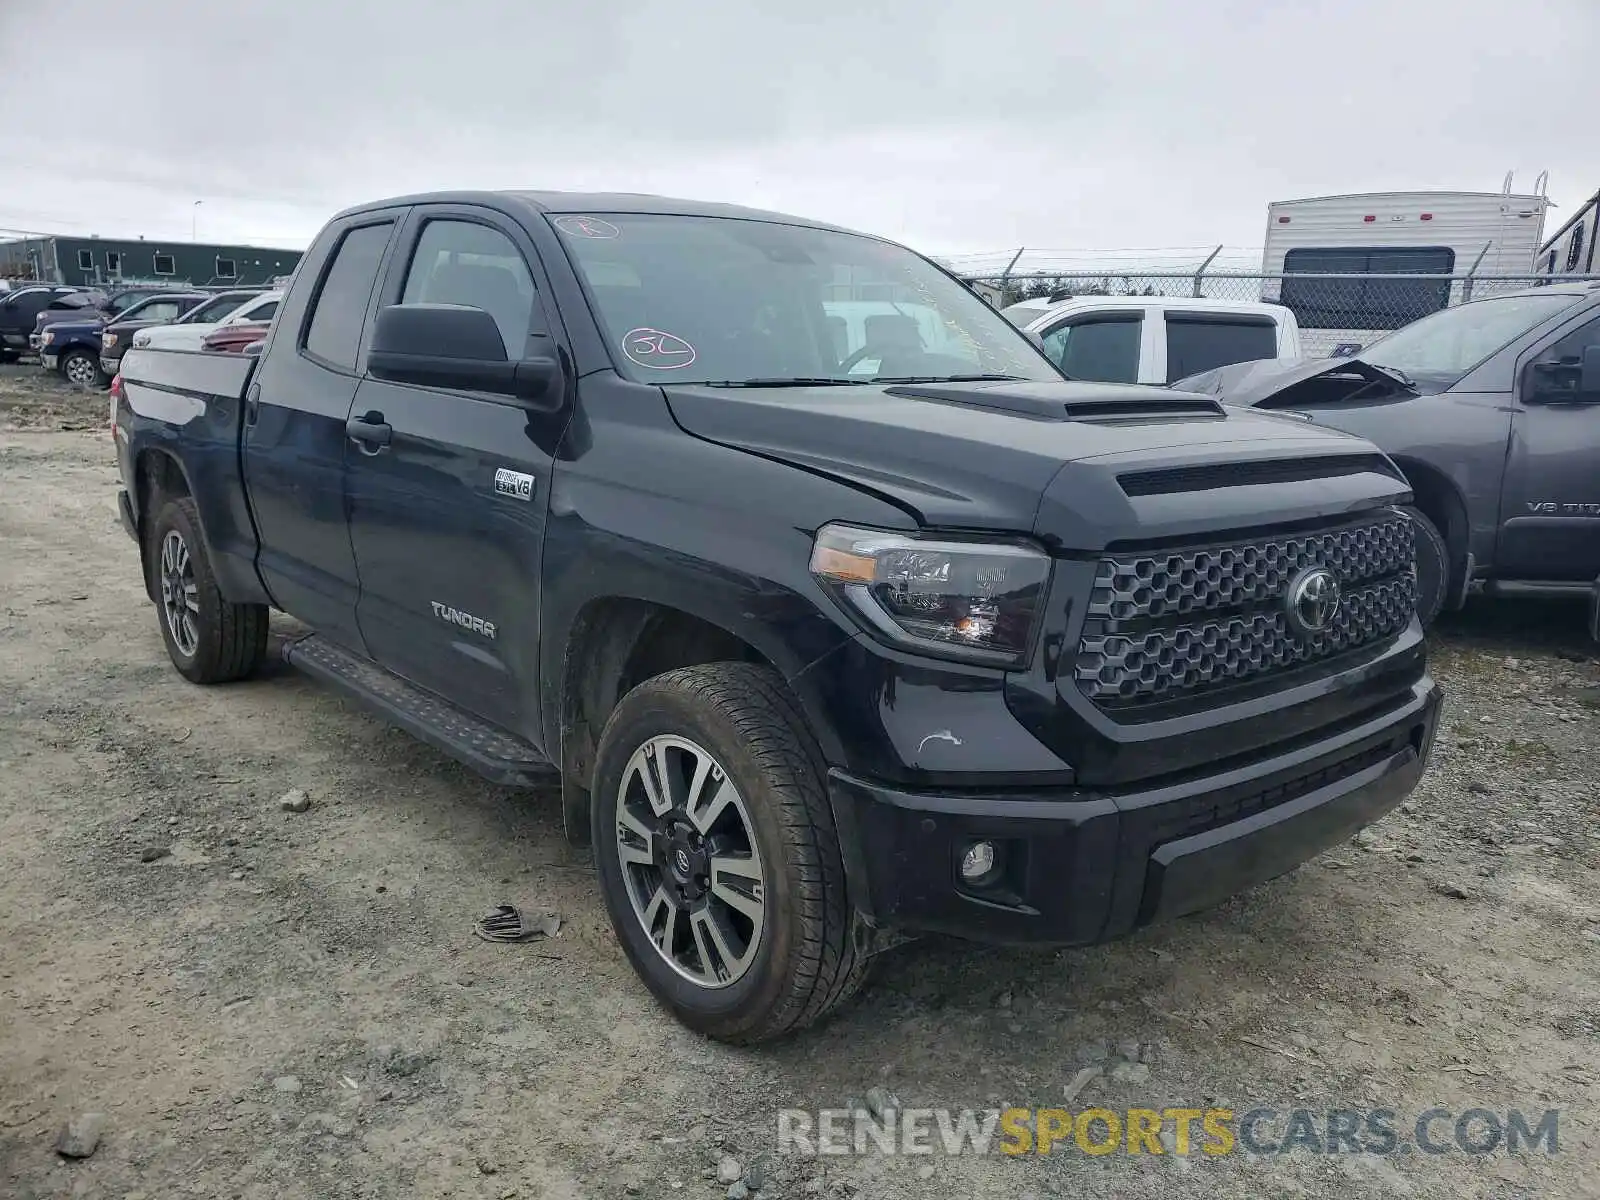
(977, 862)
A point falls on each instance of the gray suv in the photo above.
(1492, 410)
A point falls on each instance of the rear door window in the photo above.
(333, 334)
(1101, 349)
(1200, 341)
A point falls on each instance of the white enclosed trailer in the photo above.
(1571, 249)
(1346, 245)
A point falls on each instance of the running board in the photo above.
(1520, 589)
(498, 756)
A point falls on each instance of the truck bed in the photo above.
(185, 411)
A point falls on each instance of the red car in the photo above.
(232, 339)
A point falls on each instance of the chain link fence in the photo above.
(1333, 310)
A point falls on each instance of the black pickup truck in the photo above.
(835, 631)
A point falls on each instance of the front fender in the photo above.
(644, 511)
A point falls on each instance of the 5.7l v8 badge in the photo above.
(514, 484)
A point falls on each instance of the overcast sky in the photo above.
(954, 125)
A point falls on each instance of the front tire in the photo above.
(718, 857)
(1433, 566)
(208, 638)
(82, 368)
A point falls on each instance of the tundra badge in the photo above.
(464, 620)
(514, 484)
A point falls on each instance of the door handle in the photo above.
(371, 432)
(252, 404)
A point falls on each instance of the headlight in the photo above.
(108, 340)
(46, 338)
(975, 601)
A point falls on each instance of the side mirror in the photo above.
(1574, 379)
(456, 346)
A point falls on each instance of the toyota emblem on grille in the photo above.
(1313, 599)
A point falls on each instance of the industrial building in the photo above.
(104, 262)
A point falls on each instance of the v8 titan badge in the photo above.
(514, 484)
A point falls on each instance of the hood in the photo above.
(74, 324)
(1278, 384)
(134, 324)
(88, 317)
(1051, 458)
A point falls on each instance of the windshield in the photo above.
(721, 300)
(1449, 343)
(214, 309)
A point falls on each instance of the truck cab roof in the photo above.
(557, 203)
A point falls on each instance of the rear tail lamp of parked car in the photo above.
(116, 398)
(973, 601)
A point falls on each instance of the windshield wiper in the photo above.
(946, 379)
(784, 381)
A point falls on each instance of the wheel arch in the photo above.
(157, 475)
(1440, 500)
(616, 643)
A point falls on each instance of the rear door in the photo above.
(1195, 341)
(447, 518)
(1550, 506)
(295, 416)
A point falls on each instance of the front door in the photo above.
(1098, 347)
(1550, 508)
(447, 517)
(294, 440)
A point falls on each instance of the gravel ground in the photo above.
(291, 1004)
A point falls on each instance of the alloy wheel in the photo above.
(690, 863)
(79, 369)
(180, 595)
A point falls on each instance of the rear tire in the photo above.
(1433, 567)
(793, 950)
(208, 638)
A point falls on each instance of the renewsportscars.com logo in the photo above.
(1211, 1132)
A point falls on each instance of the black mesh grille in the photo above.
(1166, 624)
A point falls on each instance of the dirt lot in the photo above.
(292, 1005)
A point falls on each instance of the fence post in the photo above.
(1209, 259)
(1466, 287)
(1005, 276)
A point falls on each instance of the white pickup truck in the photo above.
(189, 337)
(1155, 339)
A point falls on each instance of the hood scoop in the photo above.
(1099, 403)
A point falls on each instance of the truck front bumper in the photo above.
(1075, 866)
(48, 362)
